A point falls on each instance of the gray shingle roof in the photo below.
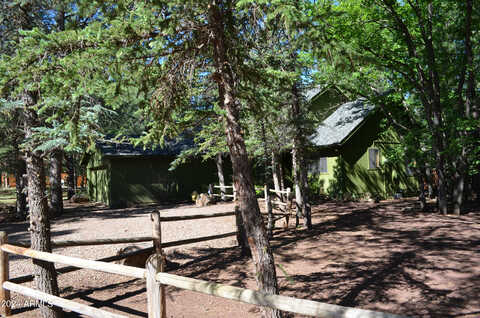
(125, 149)
(311, 93)
(341, 123)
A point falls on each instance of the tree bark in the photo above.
(276, 172)
(20, 185)
(242, 239)
(45, 276)
(282, 176)
(70, 166)
(465, 108)
(428, 84)
(421, 175)
(55, 177)
(458, 190)
(299, 168)
(267, 171)
(297, 183)
(221, 178)
(254, 226)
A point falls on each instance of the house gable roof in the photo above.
(110, 148)
(336, 129)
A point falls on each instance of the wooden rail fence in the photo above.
(156, 279)
(223, 191)
(281, 202)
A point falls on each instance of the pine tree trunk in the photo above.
(242, 239)
(282, 176)
(55, 177)
(442, 189)
(421, 193)
(297, 182)
(252, 219)
(221, 178)
(267, 171)
(276, 172)
(20, 185)
(306, 207)
(469, 106)
(70, 166)
(299, 168)
(459, 185)
(45, 276)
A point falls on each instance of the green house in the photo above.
(120, 174)
(348, 155)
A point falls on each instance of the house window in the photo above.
(373, 158)
(322, 165)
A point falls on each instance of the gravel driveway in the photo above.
(96, 223)
(92, 222)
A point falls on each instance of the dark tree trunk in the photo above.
(252, 219)
(282, 176)
(421, 177)
(55, 177)
(20, 185)
(296, 185)
(45, 276)
(266, 169)
(242, 239)
(299, 167)
(221, 178)
(428, 84)
(276, 172)
(461, 163)
(458, 191)
(70, 166)
(442, 185)
(306, 207)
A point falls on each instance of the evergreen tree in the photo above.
(425, 50)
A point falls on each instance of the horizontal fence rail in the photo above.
(198, 239)
(285, 303)
(74, 261)
(69, 269)
(155, 277)
(280, 191)
(223, 194)
(70, 243)
(106, 241)
(194, 217)
(60, 302)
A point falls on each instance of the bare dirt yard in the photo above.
(382, 256)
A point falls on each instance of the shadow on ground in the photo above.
(382, 257)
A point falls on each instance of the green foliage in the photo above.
(338, 187)
(317, 185)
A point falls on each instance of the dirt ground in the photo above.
(383, 257)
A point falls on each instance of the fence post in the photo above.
(211, 190)
(155, 290)
(268, 208)
(156, 295)
(234, 192)
(5, 309)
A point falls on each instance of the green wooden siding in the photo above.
(122, 181)
(361, 180)
(99, 179)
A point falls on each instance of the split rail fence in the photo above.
(156, 278)
(223, 191)
(278, 205)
